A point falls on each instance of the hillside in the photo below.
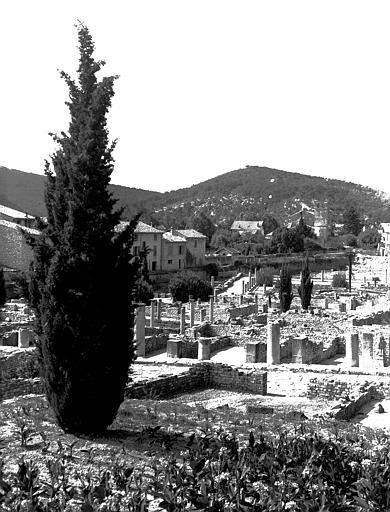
(249, 193)
(253, 192)
(25, 192)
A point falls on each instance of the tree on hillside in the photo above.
(203, 224)
(3, 295)
(352, 221)
(369, 239)
(83, 274)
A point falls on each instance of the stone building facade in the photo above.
(15, 253)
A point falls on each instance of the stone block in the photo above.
(204, 349)
(174, 347)
(256, 352)
(352, 349)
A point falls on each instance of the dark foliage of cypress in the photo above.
(3, 295)
(187, 283)
(306, 287)
(285, 290)
(83, 275)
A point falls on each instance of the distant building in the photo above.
(384, 230)
(147, 237)
(17, 217)
(321, 222)
(251, 227)
(15, 253)
(305, 214)
(195, 246)
(173, 251)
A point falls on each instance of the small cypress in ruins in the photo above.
(83, 274)
(285, 290)
(306, 287)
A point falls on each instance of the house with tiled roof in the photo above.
(384, 230)
(15, 216)
(195, 246)
(147, 237)
(173, 251)
(251, 227)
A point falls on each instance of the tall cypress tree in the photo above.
(83, 275)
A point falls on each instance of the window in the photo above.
(154, 265)
(155, 237)
(195, 243)
(169, 262)
(170, 252)
(136, 250)
(154, 250)
(135, 236)
(179, 263)
(180, 249)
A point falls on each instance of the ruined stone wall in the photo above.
(155, 342)
(378, 317)
(201, 376)
(14, 251)
(245, 310)
(19, 372)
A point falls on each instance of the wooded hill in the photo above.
(248, 194)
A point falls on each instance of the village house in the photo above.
(195, 246)
(17, 217)
(250, 227)
(15, 253)
(384, 230)
(173, 251)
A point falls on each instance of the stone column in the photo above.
(273, 343)
(202, 315)
(250, 280)
(353, 304)
(255, 275)
(342, 307)
(204, 351)
(140, 330)
(24, 336)
(366, 351)
(241, 300)
(243, 287)
(352, 349)
(152, 313)
(264, 288)
(212, 281)
(215, 295)
(192, 312)
(300, 350)
(159, 304)
(182, 320)
(322, 275)
(325, 303)
(211, 314)
(255, 352)
(256, 299)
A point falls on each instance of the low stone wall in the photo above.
(201, 376)
(348, 410)
(379, 318)
(325, 387)
(19, 372)
(155, 342)
(246, 310)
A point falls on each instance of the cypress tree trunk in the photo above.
(285, 291)
(306, 287)
(83, 275)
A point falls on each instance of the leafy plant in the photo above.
(339, 280)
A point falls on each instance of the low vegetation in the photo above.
(187, 283)
(339, 280)
(166, 455)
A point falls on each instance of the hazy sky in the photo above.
(208, 86)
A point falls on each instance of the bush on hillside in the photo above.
(339, 280)
(187, 283)
(349, 240)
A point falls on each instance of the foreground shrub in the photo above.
(306, 287)
(339, 280)
(285, 289)
(188, 283)
(215, 472)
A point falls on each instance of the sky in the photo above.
(207, 86)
